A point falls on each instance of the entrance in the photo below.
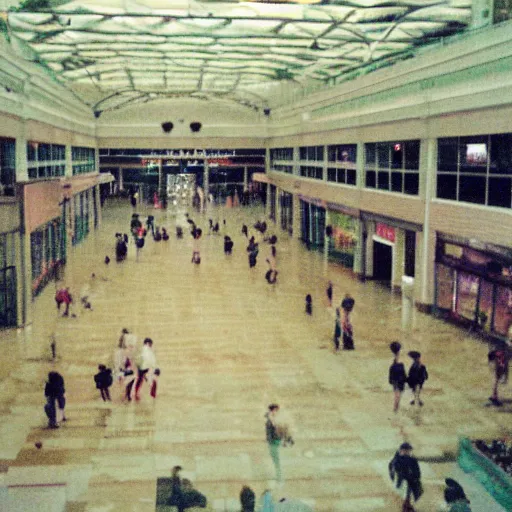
(382, 261)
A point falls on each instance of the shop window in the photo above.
(445, 278)
(467, 295)
(503, 311)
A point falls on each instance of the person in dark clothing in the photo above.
(309, 304)
(179, 232)
(228, 245)
(417, 376)
(253, 250)
(176, 497)
(405, 468)
(157, 236)
(103, 380)
(328, 292)
(135, 224)
(347, 304)
(191, 497)
(245, 231)
(54, 392)
(121, 248)
(397, 375)
(165, 235)
(150, 223)
(455, 496)
(273, 438)
(337, 330)
(247, 499)
(499, 358)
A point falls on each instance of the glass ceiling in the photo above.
(131, 51)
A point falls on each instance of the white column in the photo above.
(426, 250)
(359, 249)
(21, 153)
(206, 185)
(326, 240)
(296, 226)
(360, 163)
(398, 260)
(121, 184)
(246, 179)
(370, 231)
(68, 170)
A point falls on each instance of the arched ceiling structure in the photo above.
(111, 53)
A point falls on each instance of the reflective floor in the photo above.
(228, 344)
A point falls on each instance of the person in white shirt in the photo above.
(147, 365)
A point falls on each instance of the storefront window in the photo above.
(344, 238)
(467, 295)
(503, 311)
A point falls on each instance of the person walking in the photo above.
(406, 469)
(103, 380)
(253, 250)
(196, 246)
(337, 329)
(416, 377)
(63, 296)
(147, 365)
(271, 275)
(397, 375)
(54, 392)
(499, 359)
(273, 438)
(328, 292)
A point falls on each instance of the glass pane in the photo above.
(501, 154)
(447, 152)
(370, 179)
(412, 154)
(331, 174)
(351, 176)
(473, 154)
(370, 153)
(503, 311)
(500, 192)
(397, 155)
(447, 186)
(383, 155)
(444, 287)
(411, 183)
(383, 181)
(472, 189)
(467, 291)
(331, 153)
(396, 181)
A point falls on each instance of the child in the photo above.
(417, 376)
(309, 304)
(228, 245)
(397, 376)
(103, 381)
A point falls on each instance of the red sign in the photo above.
(385, 231)
(219, 161)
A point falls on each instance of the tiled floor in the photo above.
(228, 344)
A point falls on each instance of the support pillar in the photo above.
(296, 224)
(398, 260)
(21, 153)
(206, 186)
(246, 179)
(370, 231)
(426, 240)
(121, 184)
(359, 251)
(68, 169)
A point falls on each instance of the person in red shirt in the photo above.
(63, 296)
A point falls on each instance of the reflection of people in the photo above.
(273, 439)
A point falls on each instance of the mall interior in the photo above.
(374, 140)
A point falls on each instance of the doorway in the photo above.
(382, 261)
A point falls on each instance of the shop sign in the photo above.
(219, 161)
(385, 231)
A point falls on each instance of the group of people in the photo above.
(134, 365)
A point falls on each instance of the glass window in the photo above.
(383, 155)
(412, 154)
(472, 189)
(467, 293)
(370, 179)
(500, 192)
(411, 183)
(447, 155)
(503, 311)
(396, 181)
(383, 180)
(351, 177)
(445, 277)
(447, 186)
(370, 153)
(501, 154)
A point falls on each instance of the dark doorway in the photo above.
(410, 253)
(382, 261)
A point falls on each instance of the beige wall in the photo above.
(9, 214)
(493, 225)
(41, 203)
